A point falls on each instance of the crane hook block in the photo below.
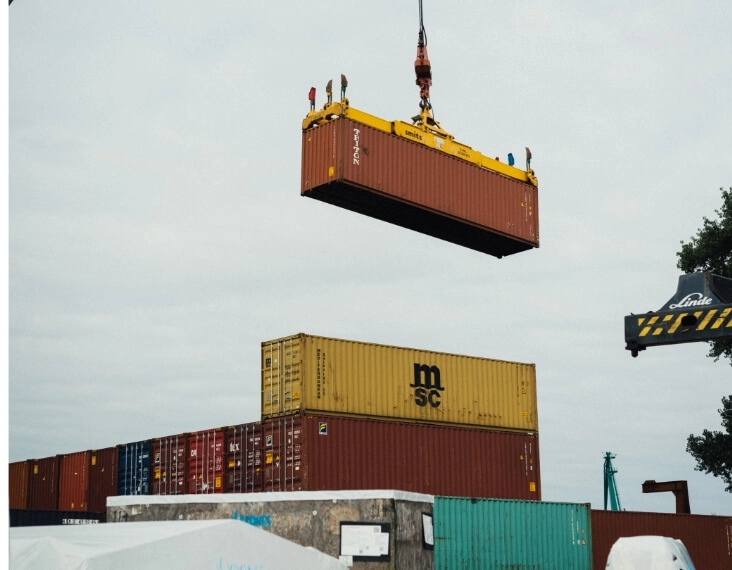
(423, 70)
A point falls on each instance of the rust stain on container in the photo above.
(102, 478)
(311, 374)
(318, 453)
(73, 486)
(19, 484)
(44, 483)
(404, 183)
(169, 456)
(707, 538)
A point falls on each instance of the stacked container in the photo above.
(205, 466)
(134, 468)
(339, 414)
(169, 456)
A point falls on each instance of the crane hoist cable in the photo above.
(422, 66)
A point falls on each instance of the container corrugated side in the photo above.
(73, 483)
(422, 189)
(103, 473)
(169, 457)
(133, 473)
(521, 535)
(44, 483)
(707, 538)
(243, 458)
(318, 453)
(205, 464)
(312, 374)
(19, 484)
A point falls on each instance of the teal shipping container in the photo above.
(521, 535)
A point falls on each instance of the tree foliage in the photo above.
(713, 449)
(711, 250)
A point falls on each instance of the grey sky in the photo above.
(157, 235)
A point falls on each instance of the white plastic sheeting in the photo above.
(210, 544)
(649, 553)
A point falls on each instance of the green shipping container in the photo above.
(521, 535)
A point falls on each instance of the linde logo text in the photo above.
(692, 300)
(427, 385)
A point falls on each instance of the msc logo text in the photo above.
(427, 385)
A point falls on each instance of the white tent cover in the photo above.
(649, 553)
(207, 544)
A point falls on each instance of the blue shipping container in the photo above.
(521, 535)
(134, 468)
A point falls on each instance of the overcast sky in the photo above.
(157, 234)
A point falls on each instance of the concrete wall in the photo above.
(309, 519)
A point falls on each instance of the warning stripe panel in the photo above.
(680, 326)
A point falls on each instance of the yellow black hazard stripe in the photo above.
(656, 324)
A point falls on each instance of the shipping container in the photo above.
(315, 453)
(103, 472)
(311, 374)
(19, 484)
(243, 461)
(169, 456)
(44, 484)
(28, 517)
(521, 535)
(390, 178)
(708, 539)
(206, 461)
(391, 529)
(73, 482)
(133, 472)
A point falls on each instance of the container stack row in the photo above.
(340, 414)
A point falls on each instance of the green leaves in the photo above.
(713, 449)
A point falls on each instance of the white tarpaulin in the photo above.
(199, 545)
(649, 553)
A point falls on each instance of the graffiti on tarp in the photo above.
(262, 521)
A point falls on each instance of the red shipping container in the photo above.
(44, 484)
(243, 458)
(317, 453)
(408, 184)
(169, 455)
(19, 483)
(206, 462)
(103, 469)
(708, 539)
(73, 483)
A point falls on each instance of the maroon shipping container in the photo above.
(73, 482)
(102, 478)
(169, 455)
(318, 453)
(707, 538)
(19, 484)
(416, 187)
(44, 484)
(205, 464)
(243, 458)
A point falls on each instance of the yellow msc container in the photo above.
(304, 374)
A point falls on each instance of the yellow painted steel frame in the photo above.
(426, 132)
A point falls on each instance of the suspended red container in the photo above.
(391, 178)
